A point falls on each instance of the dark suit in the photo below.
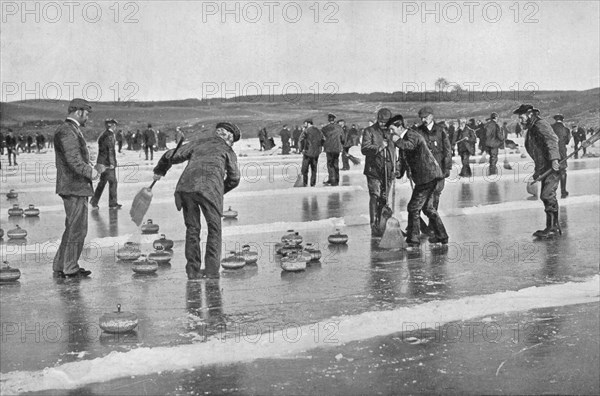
(107, 157)
(311, 143)
(334, 137)
(74, 185)
(149, 142)
(564, 137)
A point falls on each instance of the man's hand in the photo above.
(100, 168)
(95, 174)
(555, 165)
(156, 177)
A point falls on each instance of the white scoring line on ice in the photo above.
(146, 361)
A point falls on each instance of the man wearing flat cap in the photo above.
(380, 156)
(439, 145)
(333, 145)
(311, 143)
(494, 139)
(564, 137)
(426, 174)
(578, 137)
(541, 144)
(107, 157)
(149, 142)
(74, 175)
(211, 172)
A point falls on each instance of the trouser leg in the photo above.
(99, 188)
(313, 162)
(548, 192)
(345, 162)
(335, 163)
(71, 244)
(493, 153)
(112, 187)
(563, 182)
(191, 218)
(212, 257)
(304, 170)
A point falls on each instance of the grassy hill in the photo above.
(40, 115)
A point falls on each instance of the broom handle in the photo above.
(174, 152)
(591, 141)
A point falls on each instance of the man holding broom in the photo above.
(426, 174)
(541, 144)
(212, 171)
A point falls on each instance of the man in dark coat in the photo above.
(296, 138)
(74, 175)
(149, 142)
(480, 133)
(129, 140)
(11, 148)
(466, 140)
(494, 140)
(30, 143)
(347, 143)
(211, 172)
(380, 156)
(334, 135)
(311, 142)
(541, 144)
(39, 141)
(426, 174)
(119, 137)
(564, 137)
(578, 137)
(107, 157)
(285, 135)
(439, 145)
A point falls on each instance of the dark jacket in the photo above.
(73, 168)
(541, 144)
(212, 169)
(494, 138)
(415, 152)
(439, 145)
(376, 158)
(564, 137)
(149, 137)
(467, 145)
(311, 141)
(334, 138)
(579, 135)
(106, 149)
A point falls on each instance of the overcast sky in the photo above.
(183, 49)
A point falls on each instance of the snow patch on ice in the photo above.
(145, 361)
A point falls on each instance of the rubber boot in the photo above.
(413, 230)
(563, 185)
(542, 233)
(374, 215)
(554, 229)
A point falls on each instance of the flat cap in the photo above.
(331, 116)
(559, 117)
(309, 120)
(383, 115)
(524, 108)
(80, 104)
(536, 111)
(395, 119)
(494, 115)
(110, 121)
(425, 111)
(231, 128)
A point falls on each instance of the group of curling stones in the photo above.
(7, 273)
(147, 264)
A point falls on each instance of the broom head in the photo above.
(392, 237)
(299, 181)
(140, 205)
(483, 158)
(355, 161)
(532, 188)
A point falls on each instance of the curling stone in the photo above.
(144, 266)
(518, 151)
(118, 322)
(338, 238)
(16, 233)
(129, 252)
(230, 214)
(315, 254)
(523, 155)
(233, 261)
(160, 255)
(9, 274)
(15, 211)
(292, 238)
(167, 244)
(12, 194)
(31, 211)
(249, 256)
(149, 227)
(288, 249)
(294, 262)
